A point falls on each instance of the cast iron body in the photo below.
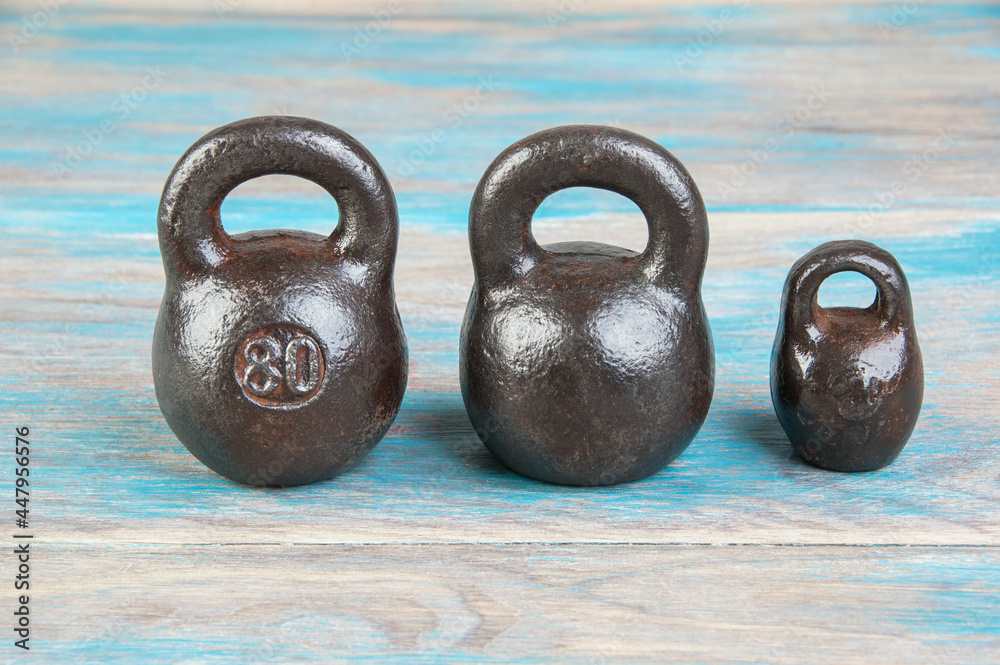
(278, 356)
(584, 363)
(847, 383)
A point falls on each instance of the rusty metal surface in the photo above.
(278, 356)
(847, 383)
(584, 363)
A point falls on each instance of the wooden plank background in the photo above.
(800, 122)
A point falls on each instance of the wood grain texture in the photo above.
(800, 122)
(525, 603)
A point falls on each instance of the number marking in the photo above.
(280, 366)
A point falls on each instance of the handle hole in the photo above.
(581, 214)
(847, 289)
(279, 202)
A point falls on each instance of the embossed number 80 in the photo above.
(262, 356)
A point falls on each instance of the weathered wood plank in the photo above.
(459, 604)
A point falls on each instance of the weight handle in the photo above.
(802, 286)
(190, 231)
(521, 177)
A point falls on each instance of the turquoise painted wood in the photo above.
(801, 124)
